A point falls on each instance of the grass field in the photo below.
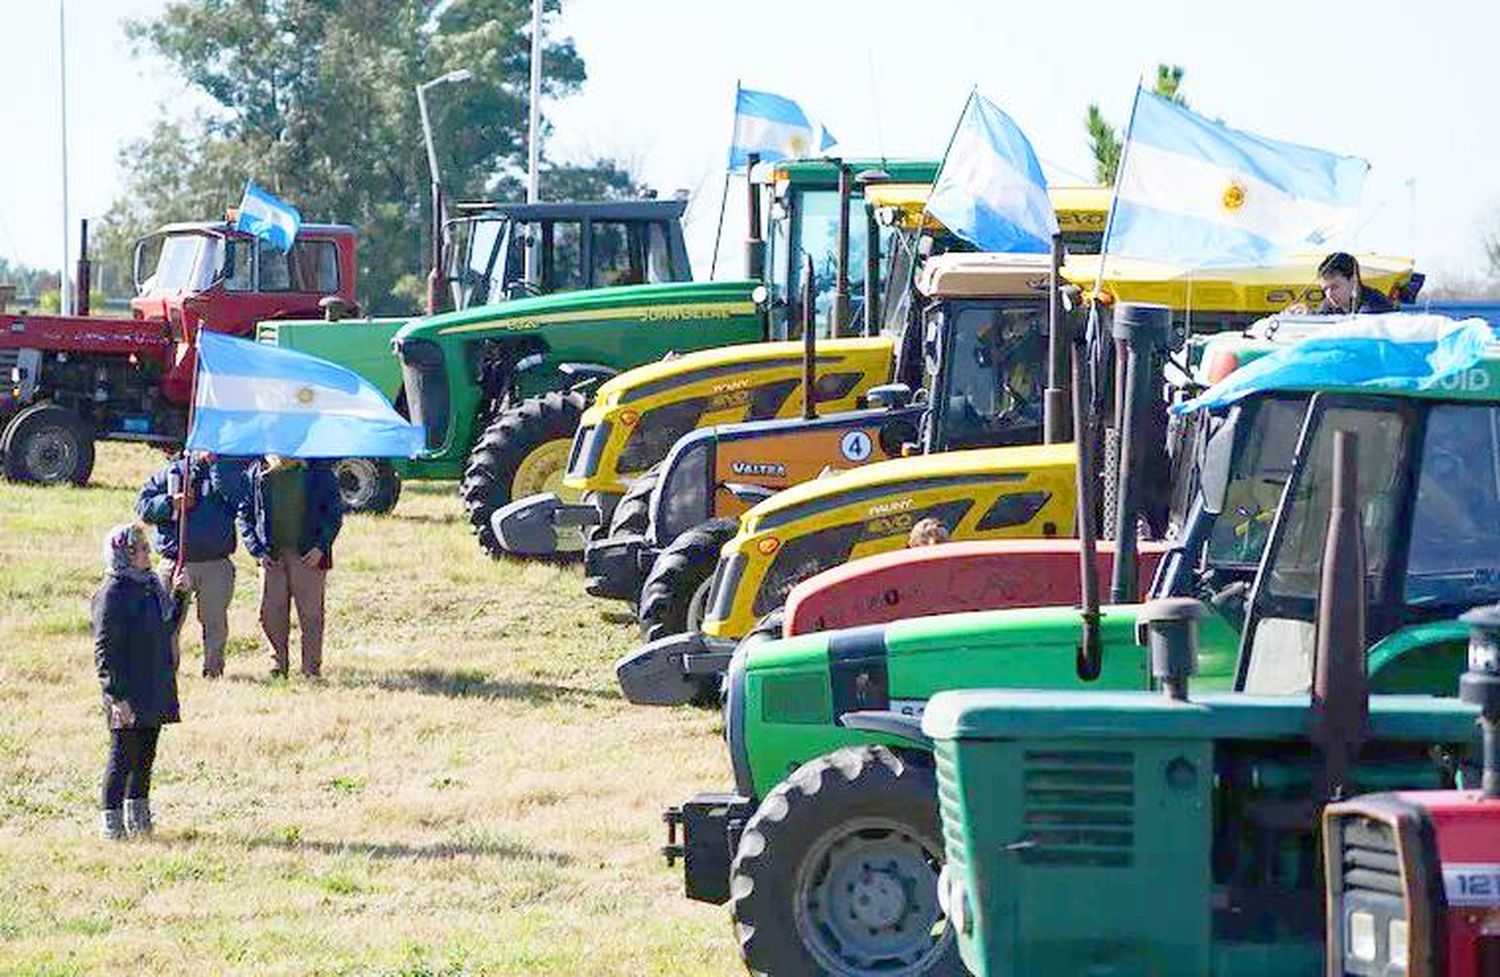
(466, 793)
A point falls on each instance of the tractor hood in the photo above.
(664, 302)
(724, 364)
(843, 488)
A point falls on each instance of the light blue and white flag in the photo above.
(273, 220)
(990, 190)
(1197, 193)
(775, 127)
(254, 399)
(1393, 351)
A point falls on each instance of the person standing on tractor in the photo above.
(289, 521)
(1343, 292)
(133, 618)
(210, 495)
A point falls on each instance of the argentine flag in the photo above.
(274, 221)
(990, 190)
(254, 399)
(1197, 193)
(775, 127)
(1393, 351)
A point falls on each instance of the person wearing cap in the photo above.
(289, 521)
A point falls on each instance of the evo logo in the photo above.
(1472, 884)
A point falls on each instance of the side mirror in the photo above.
(1213, 468)
(889, 396)
(135, 265)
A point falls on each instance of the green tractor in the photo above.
(1250, 551)
(1169, 834)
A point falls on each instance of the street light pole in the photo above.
(435, 275)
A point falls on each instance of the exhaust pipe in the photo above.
(1055, 421)
(1143, 330)
(755, 244)
(435, 274)
(1480, 685)
(82, 276)
(1090, 653)
(809, 343)
(1341, 691)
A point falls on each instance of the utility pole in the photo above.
(64, 293)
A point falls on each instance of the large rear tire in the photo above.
(675, 593)
(367, 484)
(836, 872)
(522, 452)
(48, 445)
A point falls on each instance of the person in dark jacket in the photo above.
(289, 521)
(132, 618)
(1343, 292)
(211, 494)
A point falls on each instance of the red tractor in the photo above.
(68, 381)
(1414, 876)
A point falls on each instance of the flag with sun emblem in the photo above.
(254, 399)
(775, 127)
(1196, 193)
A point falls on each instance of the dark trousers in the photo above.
(127, 773)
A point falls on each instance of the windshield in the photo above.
(995, 361)
(187, 263)
(1258, 472)
(813, 229)
(895, 303)
(1298, 559)
(483, 240)
(1455, 534)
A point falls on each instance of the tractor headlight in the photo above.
(1362, 936)
(1397, 942)
(759, 294)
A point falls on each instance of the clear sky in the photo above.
(1408, 86)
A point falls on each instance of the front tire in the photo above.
(675, 594)
(522, 452)
(48, 445)
(633, 513)
(367, 484)
(836, 872)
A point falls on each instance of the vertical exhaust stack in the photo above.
(1142, 329)
(1055, 426)
(84, 272)
(1171, 632)
(1341, 691)
(435, 274)
(838, 317)
(1480, 685)
(755, 244)
(1090, 654)
(809, 342)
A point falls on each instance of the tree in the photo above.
(314, 99)
(1105, 142)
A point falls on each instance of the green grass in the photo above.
(466, 794)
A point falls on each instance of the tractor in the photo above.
(704, 586)
(1172, 833)
(1250, 552)
(629, 242)
(74, 380)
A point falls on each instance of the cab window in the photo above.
(1455, 533)
(616, 254)
(659, 253)
(310, 266)
(994, 384)
(1258, 472)
(562, 256)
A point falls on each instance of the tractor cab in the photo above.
(579, 245)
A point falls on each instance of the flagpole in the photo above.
(1114, 198)
(973, 94)
(728, 172)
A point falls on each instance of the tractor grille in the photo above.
(1370, 862)
(1079, 808)
(951, 804)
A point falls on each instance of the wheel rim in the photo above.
(357, 480)
(866, 900)
(542, 470)
(51, 455)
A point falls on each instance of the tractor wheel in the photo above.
(367, 484)
(634, 510)
(836, 872)
(675, 594)
(48, 445)
(524, 451)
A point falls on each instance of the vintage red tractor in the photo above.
(68, 381)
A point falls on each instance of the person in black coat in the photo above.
(133, 618)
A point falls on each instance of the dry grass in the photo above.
(467, 792)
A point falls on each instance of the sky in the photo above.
(1404, 85)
